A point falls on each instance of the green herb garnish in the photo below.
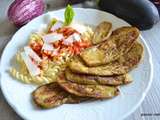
(68, 15)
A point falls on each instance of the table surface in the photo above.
(151, 104)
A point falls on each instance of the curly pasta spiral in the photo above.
(29, 79)
(88, 34)
(35, 37)
(19, 58)
(19, 76)
(52, 73)
(41, 80)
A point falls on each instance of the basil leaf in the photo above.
(68, 15)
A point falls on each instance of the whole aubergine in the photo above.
(140, 13)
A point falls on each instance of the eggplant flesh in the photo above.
(140, 13)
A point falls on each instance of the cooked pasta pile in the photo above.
(49, 59)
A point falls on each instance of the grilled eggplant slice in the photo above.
(97, 80)
(95, 91)
(102, 32)
(121, 66)
(52, 95)
(119, 43)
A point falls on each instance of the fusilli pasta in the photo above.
(29, 79)
(20, 76)
(50, 69)
(35, 38)
(88, 34)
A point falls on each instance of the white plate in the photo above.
(18, 95)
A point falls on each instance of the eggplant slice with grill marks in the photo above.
(119, 43)
(95, 91)
(97, 80)
(102, 32)
(52, 95)
(123, 65)
(97, 72)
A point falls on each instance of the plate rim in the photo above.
(22, 115)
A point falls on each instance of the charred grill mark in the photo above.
(96, 91)
(119, 43)
(52, 95)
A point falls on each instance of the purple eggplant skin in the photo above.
(140, 13)
(157, 4)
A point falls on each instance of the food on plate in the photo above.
(97, 80)
(112, 48)
(72, 64)
(52, 95)
(48, 50)
(102, 32)
(121, 66)
(96, 91)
